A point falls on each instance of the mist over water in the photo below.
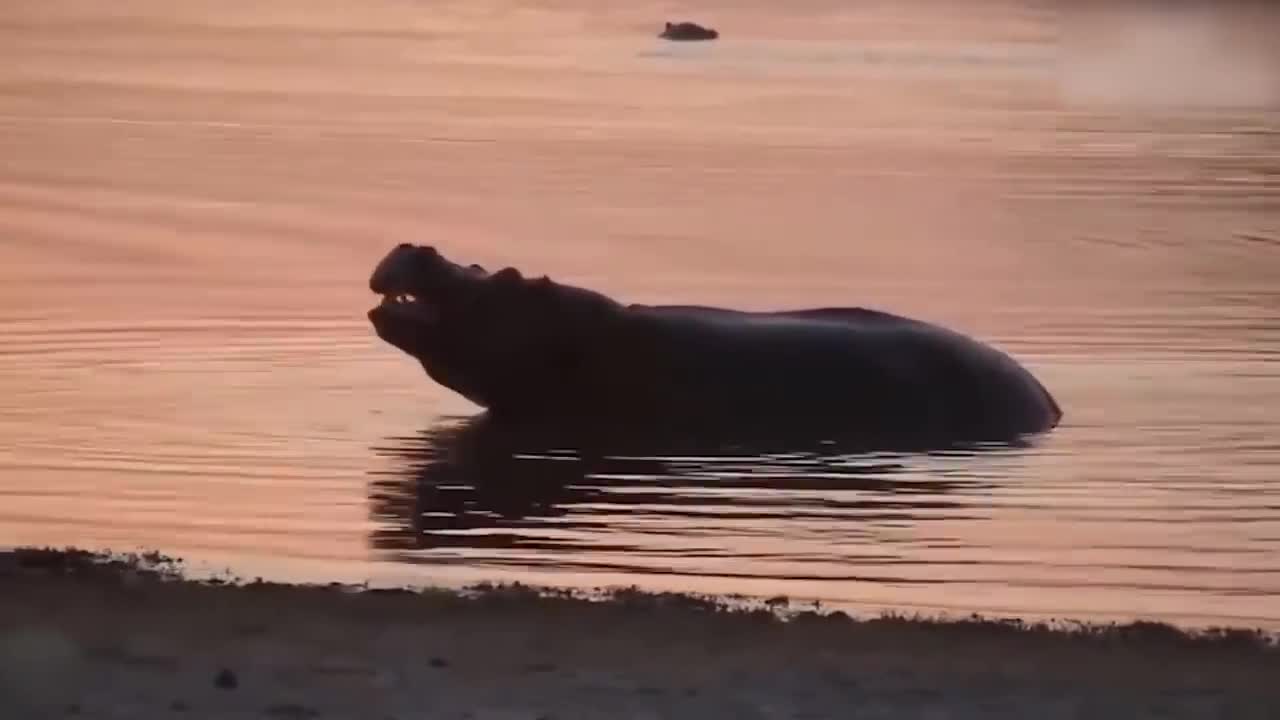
(192, 196)
(1180, 55)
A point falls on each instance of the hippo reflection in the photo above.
(489, 487)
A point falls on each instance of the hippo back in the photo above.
(877, 370)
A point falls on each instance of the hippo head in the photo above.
(687, 31)
(503, 341)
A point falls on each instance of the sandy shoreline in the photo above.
(87, 636)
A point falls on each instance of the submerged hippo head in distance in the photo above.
(532, 348)
(687, 31)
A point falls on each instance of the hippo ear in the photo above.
(668, 25)
(507, 276)
(479, 268)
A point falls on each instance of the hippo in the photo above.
(531, 349)
(687, 31)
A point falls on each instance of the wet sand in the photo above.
(105, 637)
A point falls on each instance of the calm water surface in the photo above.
(192, 196)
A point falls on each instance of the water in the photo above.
(193, 194)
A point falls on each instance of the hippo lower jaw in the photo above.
(404, 321)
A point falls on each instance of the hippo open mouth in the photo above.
(409, 307)
(416, 283)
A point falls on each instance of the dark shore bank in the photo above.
(99, 636)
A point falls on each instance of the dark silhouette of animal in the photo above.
(687, 31)
(533, 349)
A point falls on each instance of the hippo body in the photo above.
(540, 350)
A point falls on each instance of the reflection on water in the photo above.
(491, 493)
